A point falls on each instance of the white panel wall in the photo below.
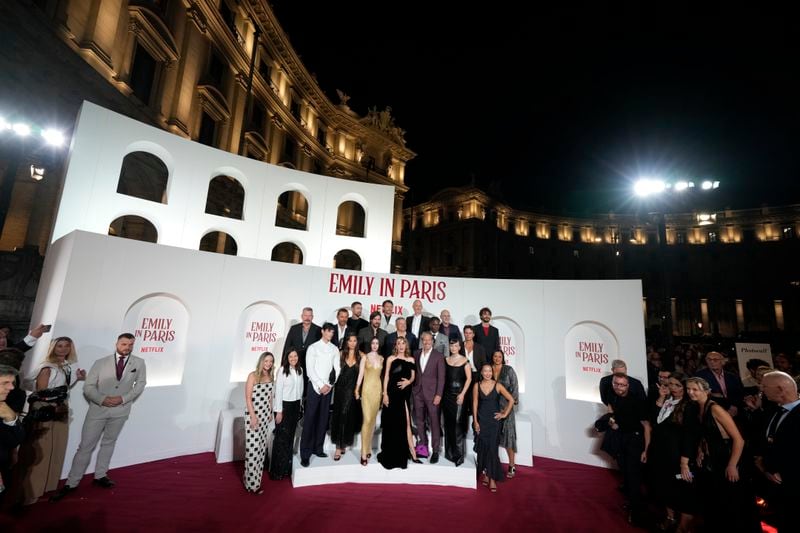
(90, 281)
(90, 202)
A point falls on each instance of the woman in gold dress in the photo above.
(368, 390)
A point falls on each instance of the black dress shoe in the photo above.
(416, 460)
(459, 462)
(434, 458)
(104, 482)
(321, 454)
(304, 462)
(63, 491)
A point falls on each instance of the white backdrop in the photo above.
(192, 312)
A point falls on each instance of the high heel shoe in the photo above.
(416, 460)
(512, 470)
(369, 456)
(364, 462)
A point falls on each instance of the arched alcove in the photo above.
(133, 227)
(225, 197)
(218, 242)
(287, 252)
(350, 219)
(347, 260)
(292, 211)
(143, 175)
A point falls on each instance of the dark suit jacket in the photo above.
(391, 338)
(491, 342)
(10, 438)
(365, 336)
(424, 326)
(294, 339)
(735, 389)
(431, 382)
(454, 333)
(336, 340)
(783, 454)
(357, 324)
(608, 396)
(478, 356)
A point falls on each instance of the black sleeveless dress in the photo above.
(395, 418)
(455, 416)
(488, 440)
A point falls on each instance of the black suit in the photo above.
(454, 332)
(10, 438)
(391, 339)
(336, 340)
(478, 356)
(490, 342)
(357, 324)
(423, 327)
(365, 336)
(782, 456)
(294, 339)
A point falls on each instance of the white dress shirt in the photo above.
(416, 323)
(321, 357)
(287, 388)
(423, 361)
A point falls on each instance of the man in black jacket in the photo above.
(11, 432)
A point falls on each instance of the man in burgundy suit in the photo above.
(428, 389)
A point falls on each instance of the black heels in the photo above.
(364, 461)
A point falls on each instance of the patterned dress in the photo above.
(508, 426)
(256, 440)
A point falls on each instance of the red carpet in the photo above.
(193, 493)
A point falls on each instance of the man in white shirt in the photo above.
(417, 323)
(322, 364)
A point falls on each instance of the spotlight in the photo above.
(21, 129)
(681, 186)
(707, 185)
(648, 186)
(37, 173)
(53, 137)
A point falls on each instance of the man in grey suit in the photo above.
(112, 385)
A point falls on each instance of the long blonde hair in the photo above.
(72, 356)
(260, 367)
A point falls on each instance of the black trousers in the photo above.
(315, 422)
(630, 464)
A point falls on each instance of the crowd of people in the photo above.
(423, 374)
(701, 448)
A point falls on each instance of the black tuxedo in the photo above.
(391, 339)
(294, 339)
(357, 324)
(10, 438)
(782, 456)
(347, 331)
(490, 342)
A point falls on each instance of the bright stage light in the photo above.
(4, 125)
(681, 186)
(53, 137)
(706, 185)
(648, 186)
(21, 129)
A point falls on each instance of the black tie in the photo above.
(773, 425)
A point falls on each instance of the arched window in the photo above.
(292, 211)
(225, 197)
(144, 176)
(287, 252)
(133, 227)
(350, 219)
(218, 242)
(347, 260)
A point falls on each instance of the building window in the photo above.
(144, 176)
(225, 197)
(322, 134)
(287, 252)
(292, 211)
(296, 108)
(347, 260)
(215, 71)
(258, 117)
(218, 242)
(576, 254)
(134, 227)
(350, 220)
(143, 74)
(680, 237)
(208, 130)
(265, 70)
(712, 236)
(787, 232)
(289, 154)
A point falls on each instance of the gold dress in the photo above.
(371, 394)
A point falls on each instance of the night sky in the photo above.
(559, 109)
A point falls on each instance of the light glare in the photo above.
(648, 186)
(21, 129)
(706, 185)
(53, 137)
(681, 186)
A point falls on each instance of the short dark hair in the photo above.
(435, 319)
(374, 314)
(328, 326)
(355, 304)
(484, 309)
(11, 357)
(468, 327)
(752, 364)
(6, 370)
(126, 336)
(387, 302)
(342, 310)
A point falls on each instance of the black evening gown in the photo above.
(455, 416)
(346, 419)
(488, 440)
(395, 418)
(280, 465)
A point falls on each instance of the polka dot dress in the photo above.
(256, 440)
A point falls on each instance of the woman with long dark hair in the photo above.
(42, 454)
(346, 419)
(288, 395)
(368, 390)
(458, 377)
(258, 395)
(397, 442)
(486, 423)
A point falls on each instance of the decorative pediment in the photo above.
(153, 34)
(214, 103)
(256, 144)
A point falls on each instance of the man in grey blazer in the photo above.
(112, 385)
